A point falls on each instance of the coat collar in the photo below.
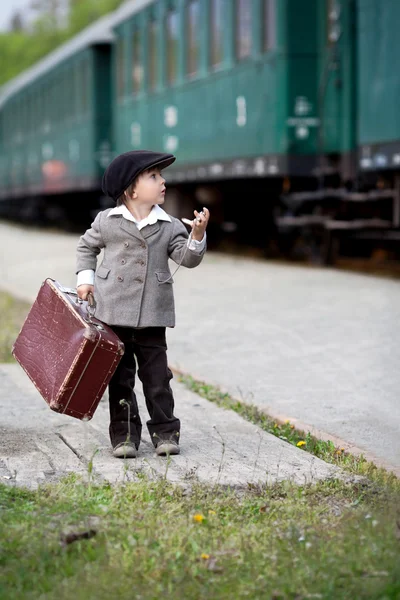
(144, 228)
(156, 214)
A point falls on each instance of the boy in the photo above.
(133, 291)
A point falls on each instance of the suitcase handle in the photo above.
(91, 306)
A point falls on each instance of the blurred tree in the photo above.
(16, 22)
(83, 13)
(49, 14)
(20, 50)
(54, 21)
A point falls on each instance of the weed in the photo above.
(286, 431)
(12, 316)
(151, 539)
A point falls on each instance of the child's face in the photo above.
(150, 188)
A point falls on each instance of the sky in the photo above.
(7, 9)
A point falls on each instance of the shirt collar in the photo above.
(156, 214)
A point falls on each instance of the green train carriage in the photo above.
(230, 87)
(379, 86)
(353, 205)
(217, 81)
(245, 94)
(267, 100)
(378, 102)
(378, 121)
(56, 131)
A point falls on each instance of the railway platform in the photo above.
(316, 346)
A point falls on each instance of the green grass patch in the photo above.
(152, 540)
(326, 450)
(12, 316)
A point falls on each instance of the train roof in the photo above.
(101, 31)
(129, 8)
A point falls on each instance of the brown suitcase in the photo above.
(69, 355)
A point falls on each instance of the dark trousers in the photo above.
(150, 349)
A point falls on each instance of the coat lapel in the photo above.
(130, 227)
(150, 230)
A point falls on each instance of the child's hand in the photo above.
(85, 289)
(199, 224)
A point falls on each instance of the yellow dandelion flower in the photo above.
(292, 427)
(212, 512)
(342, 449)
(198, 518)
(205, 556)
(287, 421)
(301, 443)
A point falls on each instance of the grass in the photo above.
(12, 316)
(153, 540)
(326, 450)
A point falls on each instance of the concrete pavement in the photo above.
(218, 446)
(312, 345)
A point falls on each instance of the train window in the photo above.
(44, 107)
(120, 67)
(28, 113)
(137, 66)
(268, 25)
(216, 15)
(243, 28)
(75, 84)
(84, 87)
(153, 58)
(172, 24)
(75, 89)
(77, 93)
(193, 28)
(50, 105)
(41, 107)
(56, 99)
(68, 93)
(5, 128)
(22, 115)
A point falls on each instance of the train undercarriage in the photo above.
(302, 219)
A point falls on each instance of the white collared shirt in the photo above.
(156, 214)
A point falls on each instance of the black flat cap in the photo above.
(121, 172)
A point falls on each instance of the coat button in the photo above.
(126, 244)
(139, 279)
(143, 244)
(123, 261)
(120, 278)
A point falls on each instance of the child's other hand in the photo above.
(200, 224)
(85, 289)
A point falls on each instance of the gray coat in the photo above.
(128, 283)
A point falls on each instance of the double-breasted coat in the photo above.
(131, 287)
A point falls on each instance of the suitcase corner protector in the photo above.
(87, 417)
(90, 334)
